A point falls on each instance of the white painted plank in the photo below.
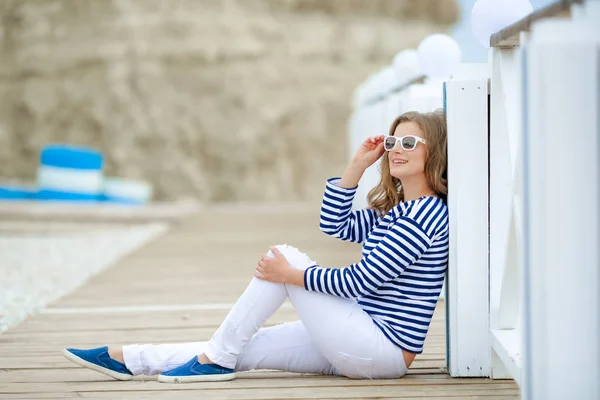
(500, 180)
(468, 327)
(562, 280)
(505, 146)
(506, 344)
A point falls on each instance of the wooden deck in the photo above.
(178, 288)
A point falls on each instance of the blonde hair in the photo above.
(388, 193)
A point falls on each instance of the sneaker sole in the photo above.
(80, 361)
(196, 378)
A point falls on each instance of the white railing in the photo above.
(561, 201)
(506, 217)
(523, 293)
(467, 294)
(544, 278)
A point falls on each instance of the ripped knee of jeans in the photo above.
(294, 257)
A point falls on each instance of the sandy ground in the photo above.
(42, 261)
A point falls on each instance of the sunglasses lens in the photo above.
(389, 142)
(409, 143)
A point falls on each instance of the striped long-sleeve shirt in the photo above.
(405, 256)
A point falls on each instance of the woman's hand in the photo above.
(274, 269)
(369, 152)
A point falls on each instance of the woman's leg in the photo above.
(347, 336)
(337, 336)
(344, 333)
(287, 347)
(258, 303)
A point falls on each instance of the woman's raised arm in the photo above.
(337, 218)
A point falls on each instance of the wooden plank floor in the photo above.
(178, 288)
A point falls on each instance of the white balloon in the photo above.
(439, 55)
(406, 65)
(491, 16)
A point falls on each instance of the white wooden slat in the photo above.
(468, 328)
(501, 182)
(506, 344)
(562, 280)
(505, 215)
(508, 311)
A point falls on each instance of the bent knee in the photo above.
(294, 257)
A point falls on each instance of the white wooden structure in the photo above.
(544, 259)
(523, 286)
(467, 292)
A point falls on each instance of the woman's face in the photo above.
(405, 163)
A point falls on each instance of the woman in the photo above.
(367, 320)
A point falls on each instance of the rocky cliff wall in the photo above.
(233, 100)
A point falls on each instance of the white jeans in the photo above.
(334, 336)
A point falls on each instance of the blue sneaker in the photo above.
(99, 360)
(193, 371)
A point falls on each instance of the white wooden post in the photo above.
(562, 183)
(505, 213)
(467, 299)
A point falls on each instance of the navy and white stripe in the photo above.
(405, 256)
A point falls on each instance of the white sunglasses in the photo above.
(408, 143)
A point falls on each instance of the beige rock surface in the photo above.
(232, 100)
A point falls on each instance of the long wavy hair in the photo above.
(389, 193)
